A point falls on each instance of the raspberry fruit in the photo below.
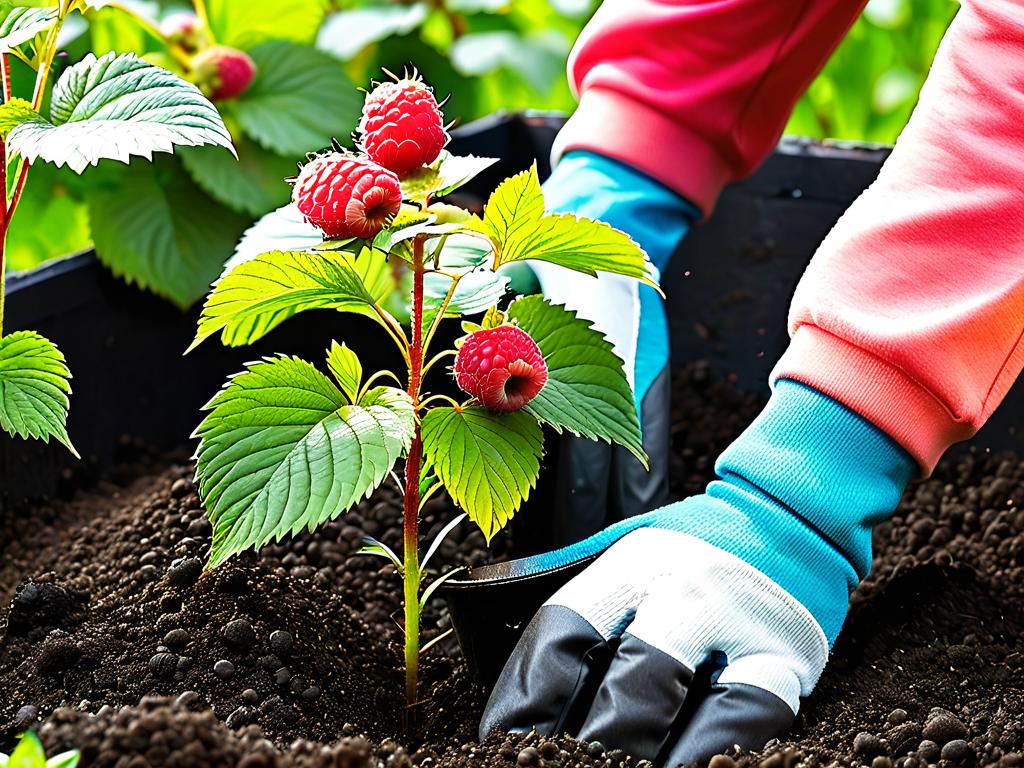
(184, 30)
(501, 367)
(347, 196)
(222, 72)
(402, 127)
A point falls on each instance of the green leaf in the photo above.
(244, 24)
(537, 59)
(115, 107)
(258, 295)
(347, 370)
(346, 33)
(516, 220)
(154, 227)
(476, 292)
(254, 183)
(68, 759)
(487, 461)
(20, 24)
(299, 100)
(587, 391)
(456, 170)
(280, 450)
(13, 113)
(34, 388)
(282, 230)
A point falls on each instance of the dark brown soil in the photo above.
(111, 642)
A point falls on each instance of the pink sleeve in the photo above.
(697, 93)
(912, 311)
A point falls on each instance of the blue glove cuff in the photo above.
(652, 214)
(801, 489)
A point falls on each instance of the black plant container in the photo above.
(728, 292)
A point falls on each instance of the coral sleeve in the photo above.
(696, 94)
(912, 311)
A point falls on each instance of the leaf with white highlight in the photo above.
(115, 107)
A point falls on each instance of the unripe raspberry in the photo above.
(347, 196)
(184, 30)
(222, 72)
(501, 367)
(402, 127)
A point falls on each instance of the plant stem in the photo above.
(412, 489)
(204, 18)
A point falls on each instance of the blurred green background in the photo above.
(490, 55)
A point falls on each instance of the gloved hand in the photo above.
(704, 622)
(600, 484)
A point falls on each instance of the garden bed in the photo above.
(111, 642)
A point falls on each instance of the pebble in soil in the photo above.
(928, 671)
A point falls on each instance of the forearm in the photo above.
(912, 311)
(696, 94)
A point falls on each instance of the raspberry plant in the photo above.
(285, 447)
(113, 107)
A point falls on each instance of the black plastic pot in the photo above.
(728, 292)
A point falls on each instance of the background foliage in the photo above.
(491, 55)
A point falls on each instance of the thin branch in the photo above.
(438, 397)
(436, 640)
(438, 357)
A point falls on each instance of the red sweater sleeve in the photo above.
(696, 94)
(912, 311)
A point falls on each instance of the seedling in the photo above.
(285, 447)
(112, 107)
(29, 754)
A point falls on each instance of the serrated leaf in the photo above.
(487, 461)
(515, 219)
(115, 107)
(34, 388)
(258, 295)
(20, 24)
(245, 24)
(253, 183)
(154, 227)
(587, 391)
(456, 170)
(347, 370)
(299, 100)
(346, 33)
(282, 230)
(13, 113)
(280, 450)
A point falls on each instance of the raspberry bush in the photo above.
(113, 108)
(285, 446)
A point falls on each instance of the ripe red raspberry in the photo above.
(347, 196)
(222, 72)
(402, 127)
(501, 367)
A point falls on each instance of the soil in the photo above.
(112, 642)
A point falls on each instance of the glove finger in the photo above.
(556, 664)
(549, 680)
(639, 699)
(730, 715)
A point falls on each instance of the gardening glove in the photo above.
(598, 483)
(703, 623)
